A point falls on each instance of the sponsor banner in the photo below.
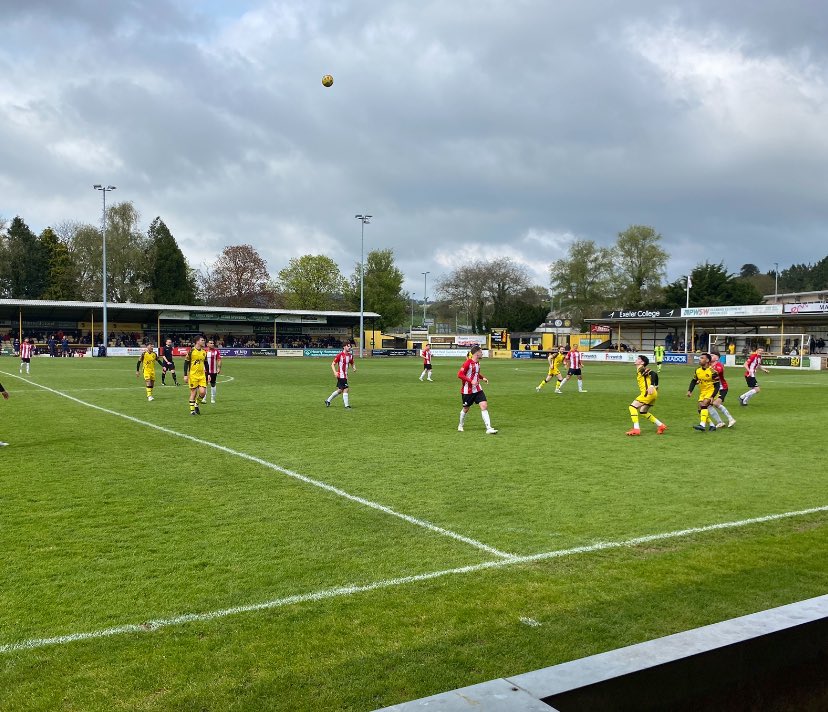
(674, 357)
(600, 329)
(500, 339)
(124, 351)
(180, 350)
(174, 316)
(795, 361)
(500, 353)
(466, 341)
(446, 341)
(290, 352)
(231, 316)
(298, 319)
(523, 354)
(744, 310)
(382, 353)
(640, 314)
(456, 353)
(592, 356)
(320, 353)
(807, 308)
(236, 352)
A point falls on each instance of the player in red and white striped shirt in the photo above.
(213, 367)
(574, 358)
(26, 353)
(339, 366)
(471, 391)
(753, 363)
(426, 353)
(718, 402)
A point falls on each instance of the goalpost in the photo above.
(774, 344)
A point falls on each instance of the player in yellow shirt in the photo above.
(708, 382)
(646, 398)
(147, 360)
(555, 360)
(195, 375)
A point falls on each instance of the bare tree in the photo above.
(239, 278)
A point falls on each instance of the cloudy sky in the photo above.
(467, 128)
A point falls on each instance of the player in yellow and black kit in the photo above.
(646, 398)
(195, 374)
(555, 361)
(708, 382)
(147, 361)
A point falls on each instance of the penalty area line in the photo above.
(342, 591)
(283, 470)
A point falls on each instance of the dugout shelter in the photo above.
(132, 325)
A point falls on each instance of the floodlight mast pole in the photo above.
(365, 220)
(104, 190)
(687, 304)
(425, 296)
(413, 294)
(776, 283)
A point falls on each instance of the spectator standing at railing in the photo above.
(64, 346)
(52, 344)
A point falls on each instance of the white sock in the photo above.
(332, 396)
(422, 375)
(486, 418)
(725, 411)
(462, 417)
(28, 366)
(345, 398)
(749, 394)
(213, 392)
(580, 385)
(714, 415)
(562, 383)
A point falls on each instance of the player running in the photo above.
(213, 368)
(167, 363)
(195, 375)
(646, 398)
(147, 360)
(5, 394)
(471, 392)
(708, 382)
(754, 361)
(426, 354)
(658, 352)
(575, 359)
(718, 401)
(555, 360)
(339, 366)
(26, 353)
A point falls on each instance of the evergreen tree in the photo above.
(382, 289)
(171, 280)
(62, 282)
(711, 286)
(24, 264)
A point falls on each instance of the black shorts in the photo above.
(722, 394)
(427, 366)
(573, 372)
(751, 381)
(211, 378)
(169, 366)
(341, 383)
(469, 399)
(25, 360)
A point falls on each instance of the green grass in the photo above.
(107, 522)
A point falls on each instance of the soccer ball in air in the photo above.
(327, 80)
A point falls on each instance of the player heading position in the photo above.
(5, 394)
(195, 375)
(147, 360)
(718, 401)
(471, 392)
(575, 359)
(708, 382)
(754, 362)
(555, 359)
(213, 368)
(167, 363)
(658, 353)
(26, 352)
(426, 354)
(646, 398)
(339, 366)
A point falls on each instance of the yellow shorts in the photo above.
(149, 375)
(197, 381)
(553, 372)
(705, 395)
(646, 399)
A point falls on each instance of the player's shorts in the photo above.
(574, 372)
(553, 372)
(427, 366)
(751, 381)
(197, 381)
(706, 395)
(469, 399)
(25, 360)
(341, 383)
(646, 398)
(722, 394)
(149, 375)
(211, 378)
(168, 366)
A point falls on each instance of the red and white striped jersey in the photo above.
(213, 360)
(426, 357)
(753, 362)
(341, 361)
(469, 372)
(719, 369)
(574, 358)
(26, 350)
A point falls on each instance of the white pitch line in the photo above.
(227, 379)
(283, 470)
(324, 594)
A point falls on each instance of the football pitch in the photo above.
(274, 554)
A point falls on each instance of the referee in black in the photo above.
(167, 363)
